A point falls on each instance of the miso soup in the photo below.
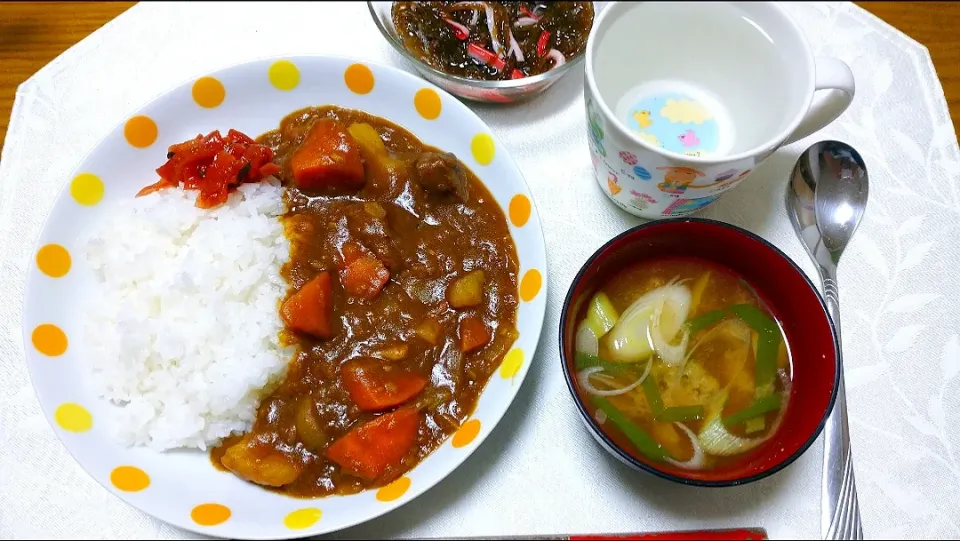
(679, 361)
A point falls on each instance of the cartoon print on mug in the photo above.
(596, 129)
(676, 180)
(643, 119)
(641, 201)
(628, 158)
(675, 122)
(689, 138)
(682, 206)
(612, 183)
(724, 180)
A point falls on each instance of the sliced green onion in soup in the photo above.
(652, 392)
(697, 461)
(640, 439)
(768, 347)
(601, 315)
(589, 366)
(716, 440)
(672, 354)
(704, 320)
(761, 406)
(632, 338)
(587, 340)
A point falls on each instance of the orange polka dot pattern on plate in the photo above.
(427, 102)
(359, 79)
(284, 75)
(511, 364)
(140, 131)
(482, 148)
(302, 518)
(73, 418)
(49, 340)
(53, 260)
(86, 189)
(530, 285)
(519, 210)
(129, 478)
(210, 514)
(394, 490)
(208, 92)
(466, 434)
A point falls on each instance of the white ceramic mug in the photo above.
(685, 99)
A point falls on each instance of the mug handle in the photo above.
(832, 74)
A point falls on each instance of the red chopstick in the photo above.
(744, 534)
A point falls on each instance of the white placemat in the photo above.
(540, 472)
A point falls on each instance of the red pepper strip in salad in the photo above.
(542, 43)
(485, 57)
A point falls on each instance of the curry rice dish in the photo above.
(320, 307)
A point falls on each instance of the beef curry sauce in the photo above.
(403, 302)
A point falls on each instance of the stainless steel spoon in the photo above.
(826, 200)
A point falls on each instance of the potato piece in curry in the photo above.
(403, 300)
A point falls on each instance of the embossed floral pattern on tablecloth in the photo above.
(898, 288)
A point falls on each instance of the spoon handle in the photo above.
(839, 510)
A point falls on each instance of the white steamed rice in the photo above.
(182, 331)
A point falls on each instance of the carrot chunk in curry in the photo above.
(363, 274)
(309, 310)
(473, 334)
(375, 387)
(369, 450)
(327, 158)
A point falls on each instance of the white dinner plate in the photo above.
(182, 487)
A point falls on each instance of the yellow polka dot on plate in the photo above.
(359, 78)
(511, 363)
(208, 92)
(53, 260)
(86, 189)
(284, 75)
(467, 433)
(519, 210)
(140, 131)
(530, 285)
(73, 417)
(394, 490)
(129, 478)
(427, 102)
(302, 518)
(482, 148)
(210, 514)
(49, 340)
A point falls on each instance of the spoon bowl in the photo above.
(832, 209)
(826, 200)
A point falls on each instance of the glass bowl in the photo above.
(510, 91)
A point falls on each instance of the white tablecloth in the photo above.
(540, 472)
